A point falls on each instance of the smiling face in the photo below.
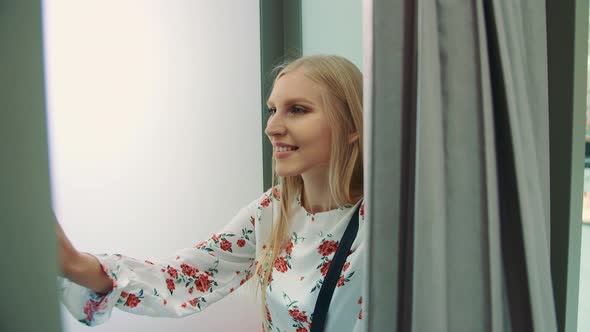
(297, 126)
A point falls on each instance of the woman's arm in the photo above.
(81, 268)
(187, 282)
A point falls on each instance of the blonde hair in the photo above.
(342, 102)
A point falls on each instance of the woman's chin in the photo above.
(286, 173)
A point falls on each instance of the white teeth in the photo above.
(284, 149)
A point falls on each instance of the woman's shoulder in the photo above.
(266, 199)
(271, 195)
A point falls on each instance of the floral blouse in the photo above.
(196, 277)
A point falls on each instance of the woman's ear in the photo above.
(353, 138)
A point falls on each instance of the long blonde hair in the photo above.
(342, 102)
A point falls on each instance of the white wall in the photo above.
(155, 132)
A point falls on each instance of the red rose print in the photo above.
(281, 265)
(289, 248)
(214, 238)
(183, 305)
(201, 245)
(241, 243)
(124, 294)
(361, 314)
(89, 309)
(265, 201)
(325, 268)
(268, 318)
(362, 212)
(170, 284)
(327, 248)
(202, 283)
(346, 266)
(252, 221)
(132, 301)
(172, 272)
(149, 262)
(194, 301)
(225, 245)
(360, 300)
(185, 268)
(340, 281)
(188, 270)
(301, 329)
(246, 278)
(190, 290)
(298, 315)
(88, 313)
(276, 193)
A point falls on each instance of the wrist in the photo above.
(74, 266)
(89, 273)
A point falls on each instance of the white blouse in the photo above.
(196, 277)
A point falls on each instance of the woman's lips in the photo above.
(283, 152)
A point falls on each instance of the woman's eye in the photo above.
(298, 110)
(272, 110)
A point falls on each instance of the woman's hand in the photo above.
(83, 269)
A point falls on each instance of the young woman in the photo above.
(286, 238)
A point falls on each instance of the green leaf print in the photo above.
(295, 238)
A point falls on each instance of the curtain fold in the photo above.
(471, 215)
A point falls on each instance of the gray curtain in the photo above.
(458, 168)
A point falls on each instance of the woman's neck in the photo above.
(316, 202)
(315, 196)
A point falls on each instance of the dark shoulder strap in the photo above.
(329, 284)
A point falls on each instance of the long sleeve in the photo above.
(186, 283)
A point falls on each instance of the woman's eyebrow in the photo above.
(291, 101)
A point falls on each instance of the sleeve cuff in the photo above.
(89, 307)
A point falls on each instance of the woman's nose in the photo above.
(274, 126)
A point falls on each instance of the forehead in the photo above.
(295, 85)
